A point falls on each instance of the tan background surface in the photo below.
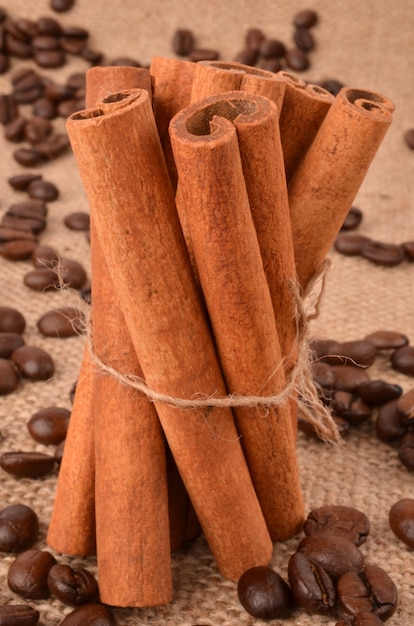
(367, 45)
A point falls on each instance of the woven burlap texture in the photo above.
(365, 45)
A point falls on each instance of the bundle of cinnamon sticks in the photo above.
(215, 192)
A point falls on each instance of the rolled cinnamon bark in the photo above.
(237, 295)
(139, 230)
(328, 178)
(102, 81)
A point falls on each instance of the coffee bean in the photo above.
(387, 339)
(332, 85)
(11, 320)
(370, 590)
(56, 144)
(203, 54)
(271, 65)
(27, 575)
(36, 130)
(353, 219)
(409, 138)
(402, 360)
(9, 341)
(334, 553)
(27, 464)
(376, 392)
(311, 585)
(43, 190)
(28, 157)
(72, 586)
(33, 363)
(264, 594)
(32, 225)
(341, 403)
(4, 63)
(49, 425)
(50, 59)
(62, 323)
(17, 250)
(323, 349)
(60, 6)
(13, 234)
(14, 130)
(9, 109)
(305, 18)
(44, 107)
(79, 220)
(304, 39)
(45, 256)
(359, 412)
(28, 208)
(297, 59)
(361, 619)
(405, 408)
(388, 426)
(42, 279)
(384, 254)
(272, 49)
(247, 56)
(182, 42)
(19, 182)
(72, 273)
(361, 353)
(346, 521)
(91, 614)
(401, 520)
(19, 526)
(254, 38)
(9, 378)
(18, 615)
(348, 377)
(125, 61)
(408, 247)
(406, 450)
(323, 375)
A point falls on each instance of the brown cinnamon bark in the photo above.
(236, 291)
(328, 178)
(138, 227)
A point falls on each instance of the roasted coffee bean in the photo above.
(18, 250)
(334, 553)
(14, 130)
(376, 392)
(9, 378)
(11, 320)
(91, 614)
(45, 42)
(182, 42)
(43, 190)
(125, 61)
(49, 425)
(361, 619)
(406, 450)
(203, 54)
(380, 253)
(387, 339)
(408, 247)
(304, 39)
(361, 353)
(271, 65)
(264, 594)
(409, 138)
(4, 63)
(272, 49)
(297, 59)
(346, 521)
(44, 107)
(323, 375)
(12, 234)
(18, 615)
(247, 56)
(27, 575)
(60, 6)
(388, 426)
(42, 279)
(353, 219)
(68, 107)
(19, 526)
(254, 38)
(9, 341)
(311, 585)
(307, 18)
(405, 408)
(370, 590)
(72, 586)
(57, 92)
(402, 360)
(28, 208)
(401, 520)
(27, 464)
(53, 146)
(78, 220)
(28, 224)
(9, 109)
(323, 349)
(17, 47)
(36, 130)
(359, 412)
(341, 402)
(19, 182)
(72, 273)
(50, 59)
(45, 256)
(33, 363)
(348, 377)
(62, 323)
(28, 157)
(332, 85)
(48, 26)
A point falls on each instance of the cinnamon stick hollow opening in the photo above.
(234, 66)
(199, 122)
(113, 101)
(355, 96)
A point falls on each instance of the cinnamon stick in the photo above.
(237, 295)
(139, 230)
(327, 180)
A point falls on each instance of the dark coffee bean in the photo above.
(335, 554)
(401, 520)
(91, 614)
(27, 575)
(203, 54)
(79, 220)
(44, 107)
(9, 341)
(408, 247)
(14, 130)
(12, 234)
(45, 42)
(68, 107)
(387, 339)
(33, 363)
(297, 59)
(44, 256)
(28, 224)
(72, 586)
(311, 585)
(9, 379)
(18, 250)
(49, 425)
(361, 353)
(405, 408)
(76, 81)
(375, 392)
(305, 18)
(402, 360)
(272, 49)
(42, 279)
(28, 157)
(62, 323)
(182, 42)
(323, 375)
(43, 190)
(94, 57)
(72, 273)
(271, 65)
(53, 146)
(48, 26)
(406, 450)
(28, 208)
(304, 39)
(50, 59)
(342, 520)
(24, 28)
(60, 6)
(125, 61)
(361, 619)
(57, 92)
(18, 615)
(27, 464)
(19, 526)
(409, 138)
(353, 219)
(19, 182)
(348, 377)
(388, 426)
(384, 254)
(11, 320)
(36, 130)
(264, 594)
(332, 85)
(254, 38)
(9, 109)
(247, 56)
(16, 47)
(323, 349)
(341, 403)
(4, 63)
(359, 412)
(370, 590)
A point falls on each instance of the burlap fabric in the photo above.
(366, 45)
